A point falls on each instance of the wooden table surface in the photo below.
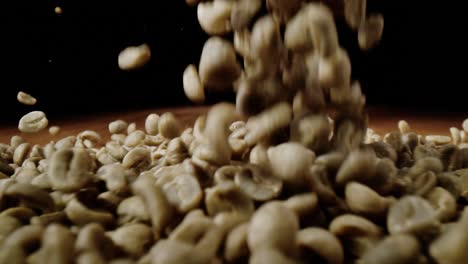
(381, 119)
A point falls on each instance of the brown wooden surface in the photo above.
(381, 119)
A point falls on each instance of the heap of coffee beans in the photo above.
(275, 178)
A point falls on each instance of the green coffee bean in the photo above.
(412, 215)
(70, 169)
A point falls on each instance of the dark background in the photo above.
(69, 62)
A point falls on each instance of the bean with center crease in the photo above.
(70, 169)
(33, 122)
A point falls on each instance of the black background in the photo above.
(69, 62)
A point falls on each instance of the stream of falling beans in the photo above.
(275, 178)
